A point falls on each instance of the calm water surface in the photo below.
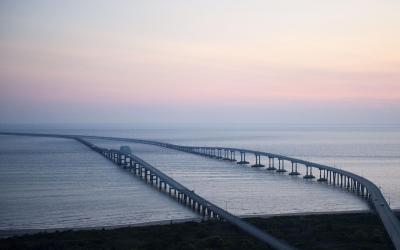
(55, 183)
(81, 188)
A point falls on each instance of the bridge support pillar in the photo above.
(309, 174)
(258, 162)
(214, 155)
(271, 163)
(226, 155)
(281, 166)
(333, 178)
(121, 159)
(294, 171)
(321, 179)
(233, 155)
(208, 213)
(219, 153)
(132, 165)
(243, 159)
(126, 162)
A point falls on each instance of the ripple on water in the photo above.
(61, 183)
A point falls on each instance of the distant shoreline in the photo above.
(19, 232)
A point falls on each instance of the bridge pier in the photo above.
(271, 163)
(190, 203)
(120, 159)
(258, 162)
(219, 154)
(309, 174)
(184, 199)
(322, 179)
(226, 155)
(145, 175)
(130, 164)
(116, 158)
(133, 169)
(334, 178)
(153, 179)
(351, 184)
(208, 213)
(203, 212)
(294, 172)
(122, 162)
(233, 155)
(198, 207)
(243, 158)
(194, 205)
(126, 162)
(136, 166)
(281, 166)
(214, 155)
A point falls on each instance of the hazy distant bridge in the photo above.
(337, 177)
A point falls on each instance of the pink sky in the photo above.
(154, 57)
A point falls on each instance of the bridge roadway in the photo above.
(345, 179)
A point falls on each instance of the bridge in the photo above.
(331, 175)
(182, 194)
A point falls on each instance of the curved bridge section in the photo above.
(334, 176)
(331, 175)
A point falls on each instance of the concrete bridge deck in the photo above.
(334, 176)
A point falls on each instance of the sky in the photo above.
(302, 61)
